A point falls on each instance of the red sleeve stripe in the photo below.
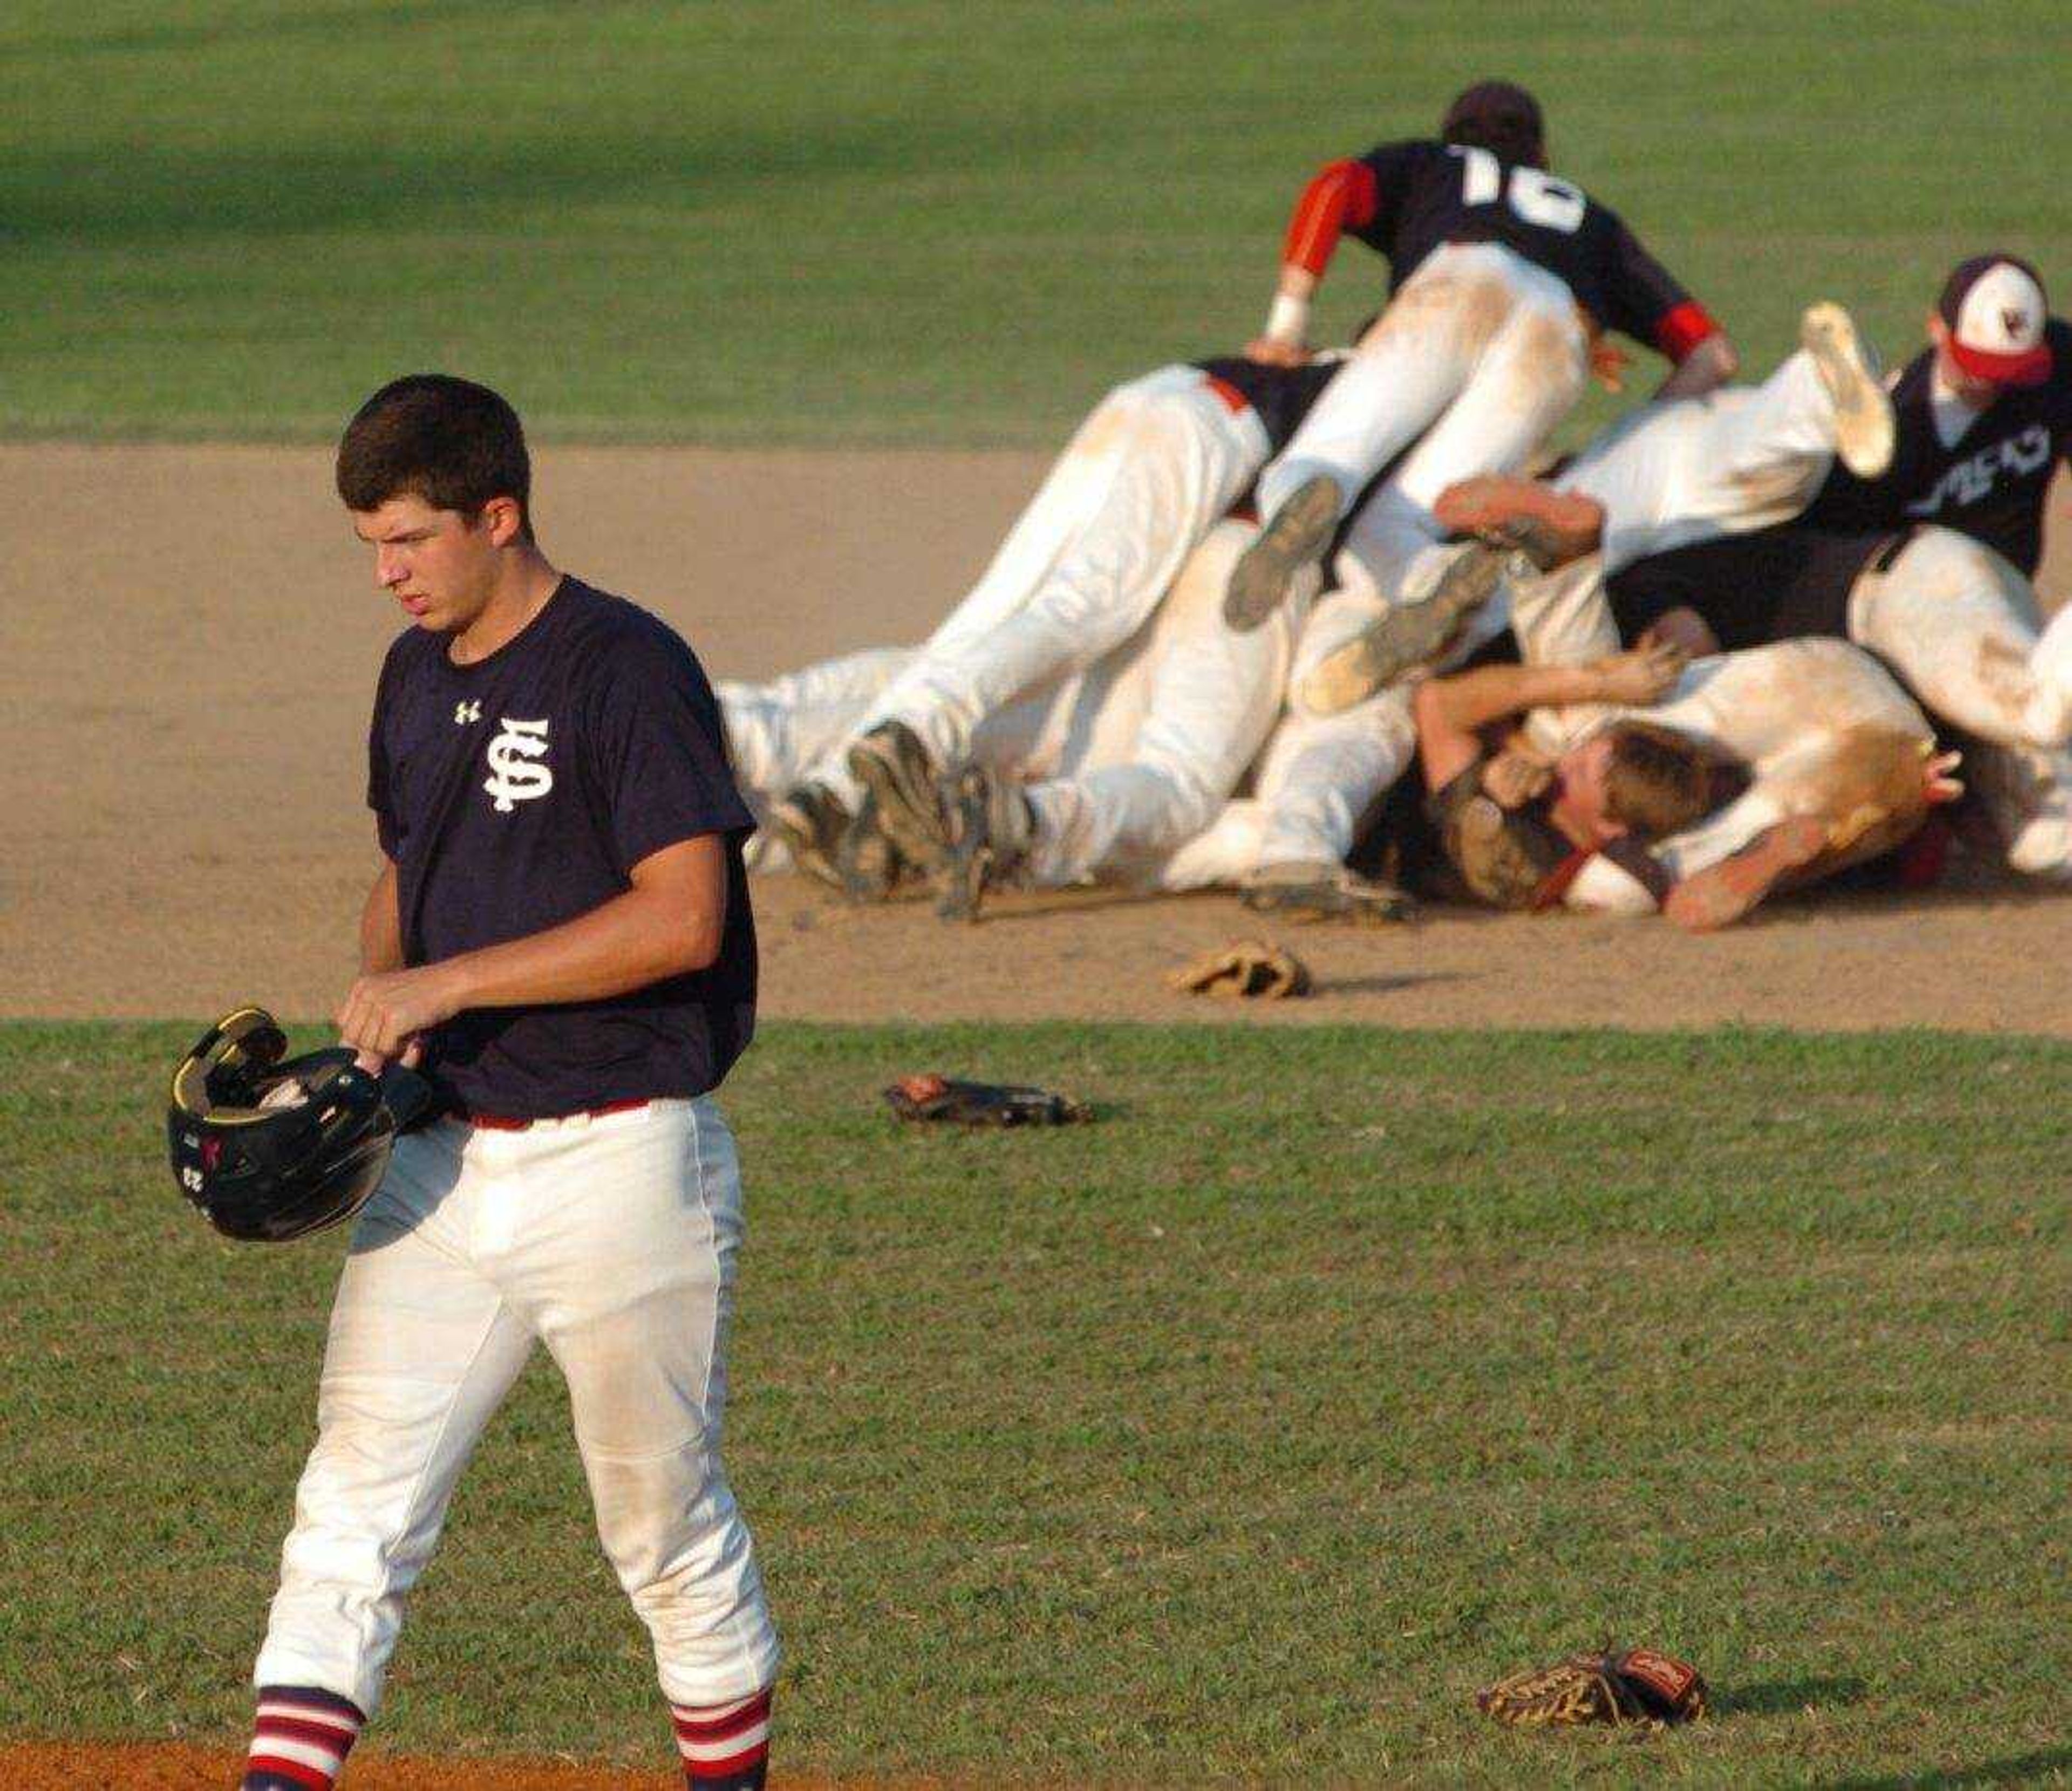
(1344, 195)
(1682, 329)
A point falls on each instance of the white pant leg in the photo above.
(1321, 774)
(1530, 371)
(1209, 696)
(1692, 469)
(775, 731)
(1153, 470)
(631, 1227)
(423, 1348)
(1424, 354)
(1960, 625)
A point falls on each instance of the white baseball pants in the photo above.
(1477, 358)
(1150, 471)
(1692, 468)
(612, 1240)
(1196, 698)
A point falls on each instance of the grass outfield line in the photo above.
(906, 222)
(1240, 1436)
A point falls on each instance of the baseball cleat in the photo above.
(1295, 537)
(891, 761)
(1321, 891)
(1407, 635)
(990, 829)
(810, 821)
(871, 867)
(1863, 428)
(1550, 527)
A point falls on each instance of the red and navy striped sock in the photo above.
(300, 1740)
(725, 1746)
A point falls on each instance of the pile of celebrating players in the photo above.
(1318, 626)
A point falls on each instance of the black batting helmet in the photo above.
(271, 1147)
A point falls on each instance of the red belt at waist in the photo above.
(496, 1122)
(1234, 399)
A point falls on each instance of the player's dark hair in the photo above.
(1500, 117)
(1658, 783)
(453, 443)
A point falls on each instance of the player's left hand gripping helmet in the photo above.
(271, 1147)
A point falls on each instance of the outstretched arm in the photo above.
(1342, 196)
(1451, 712)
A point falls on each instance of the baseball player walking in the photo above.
(560, 934)
(1502, 275)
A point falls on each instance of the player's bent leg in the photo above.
(1960, 622)
(632, 1287)
(422, 1350)
(1172, 464)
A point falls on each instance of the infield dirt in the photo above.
(193, 637)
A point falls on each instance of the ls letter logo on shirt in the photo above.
(516, 774)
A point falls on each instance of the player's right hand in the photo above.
(1642, 674)
(1272, 351)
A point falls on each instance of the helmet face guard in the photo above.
(269, 1147)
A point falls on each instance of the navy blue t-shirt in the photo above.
(519, 792)
(1429, 194)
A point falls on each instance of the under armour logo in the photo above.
(514, 756)
(466, 712)
(2015, 322)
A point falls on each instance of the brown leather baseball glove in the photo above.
(1635, 1684)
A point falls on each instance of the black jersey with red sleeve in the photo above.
(1405, 199)
(1279, 397)
(1990, 483)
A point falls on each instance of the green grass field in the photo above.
(909, 220)
(1237, 1437)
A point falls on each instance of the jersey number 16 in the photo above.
(1537, 197)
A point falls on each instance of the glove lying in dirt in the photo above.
(1248, 968)
(1635, 1685)
(981, 1103)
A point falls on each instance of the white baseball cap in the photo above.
(1996, 311)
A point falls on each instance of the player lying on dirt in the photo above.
(1156, 465)
(1754, 771)
(1099, 775)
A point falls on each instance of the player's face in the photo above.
(1976, 392)
(440, 565)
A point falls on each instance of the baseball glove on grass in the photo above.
(981, 1103)
(1636, 1685)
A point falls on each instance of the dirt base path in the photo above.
(192, 638)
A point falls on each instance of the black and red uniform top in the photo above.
(1989, 483)
(1405, 199)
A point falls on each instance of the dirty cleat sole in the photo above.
(1295, 537)
(893, 765)
(1407, 635)
(1551, 527)
(1863, 428)
(811, 822)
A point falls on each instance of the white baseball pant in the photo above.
(1151, 470)
(1478, 357)
(611, 1239)
(1185, 708)
(1689, 470)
